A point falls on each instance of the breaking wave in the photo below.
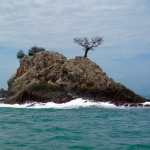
(76, 103)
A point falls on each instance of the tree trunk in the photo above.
(86, 53)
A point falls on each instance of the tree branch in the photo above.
(88, 45)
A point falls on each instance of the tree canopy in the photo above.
(31, 51)
(20, 54)
(34, 50)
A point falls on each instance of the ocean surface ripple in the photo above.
(79, 124)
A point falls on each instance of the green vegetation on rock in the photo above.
(34, 50)
(20, 54)
(31, 52)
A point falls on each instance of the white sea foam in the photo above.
(146, 103)
(77, 103)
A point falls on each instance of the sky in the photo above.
(53, 24)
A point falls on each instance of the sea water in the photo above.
(78, 124)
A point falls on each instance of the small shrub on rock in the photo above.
(20, 54)
(34, 50)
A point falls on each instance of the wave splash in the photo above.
(76, 103)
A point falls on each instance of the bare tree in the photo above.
(88, 45)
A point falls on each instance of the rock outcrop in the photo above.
(4, 93)
(49, 76)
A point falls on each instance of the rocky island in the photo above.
(50, 77)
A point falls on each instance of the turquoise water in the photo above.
(89, 128)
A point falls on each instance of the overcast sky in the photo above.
(52, 24)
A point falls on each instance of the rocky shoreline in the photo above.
(50, 77)
(26, 97)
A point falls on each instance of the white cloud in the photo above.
(124, 25)
(66, 18)
(40, 2)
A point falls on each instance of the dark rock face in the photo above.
(48, 76)
(40, 92)
(26, 97)
(4, 94)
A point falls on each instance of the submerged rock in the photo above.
(49, 76)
